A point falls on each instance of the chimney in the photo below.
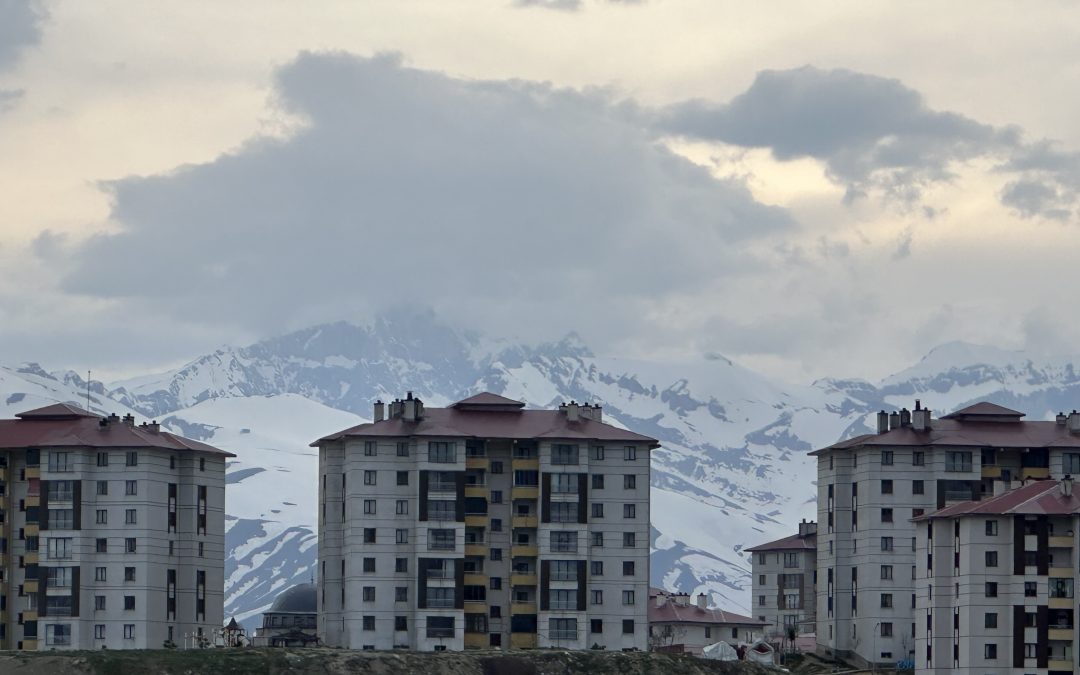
(894, 420)
(661, 599)
(1074, 422)
(380, 411)
(905, 417)
(396, 408)
(113, 418)
(1066, 486)
(920, 418)
(1061, 418)
(702, 601)
(129, 420)
(807, 528)
(573, 411)
(683, 599)
(408, 410)
(153, 427)
(882, 422)
(1001, 487)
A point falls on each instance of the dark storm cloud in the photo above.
(20, 27)
(870, 132)
(404, 185)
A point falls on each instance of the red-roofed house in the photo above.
(677, 624)
(996, 581)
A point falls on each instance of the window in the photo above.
(791, 559)
(495, 554)
(101, 545)
(496, 467)
(991, 589)
(371, 448)
(401, 507)
(369, 594)
(440, 626)
(918, 487)
(369, 622)
(598, 481)
(129, 545)
(956, 461)
(563, 599)
(629, 482)
(441, 540)
(102, 517)
(991, 558)
(1031, 650)
(402, 477)
(596, 453)
(369, 565)
(564, 570)
(886, 572)
(915, 513)
(990, 651)
(526, 478)
(886, 543)
(369, 477)
(129, 631)
(627, 597)
(495, 612)
(103, 459)
(401, 536)
(100, 574)
(59, 490)
(597, 597)
(59, 462)
(132, 458)
(58, 548)
(129, 574)
(1061, 588)
(991, 528)
(596, 626)
(200, 549)
(442, 452)
(99, 631)
(129, 516)
(918, 458)
(369, 535)
(564, 454)
(564, 512)
(403, 449)
(886, 629)
(597, 539)
(628, 626)
(564, 541)
(886, 457)
(761, 579)
(629, 511)
(1031, 589)
(990, 620)
(369, 507)
(129, 603)
(886, 515)
(562, 629)
(495, 583)
(886, 600)
(629, 453)
(886, 487)
(401, 623)
(61, 519)
(596, 568)
(628, 568)
(103, 487)
(59, 577)
(401, 565)
(761, 600)
(564, 483)
(598, 510)
(629, 540)
(131, 487)
(496, 496)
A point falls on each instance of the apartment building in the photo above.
(484, 524)
(785, 582)
(996, 583)
(678, 625)
(111, 533)
(871, 487)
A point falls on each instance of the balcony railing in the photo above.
(563, 635)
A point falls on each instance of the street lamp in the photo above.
(873, 655)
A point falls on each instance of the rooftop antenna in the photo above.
(88, 390)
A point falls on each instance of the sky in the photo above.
(809, 189)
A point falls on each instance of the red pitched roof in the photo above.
(1042, 497)
(52, 427)
(671, 612)
(497, 421)
(795, 542)
(970, 434)
(487, 400)
(984, 409)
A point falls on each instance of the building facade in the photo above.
(112, 533)
(484, 525)
(872, 487)
(996, 579)
(677, 624)
(785, 582)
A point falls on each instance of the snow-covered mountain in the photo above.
(733, 470)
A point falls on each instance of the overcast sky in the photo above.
(808, 188)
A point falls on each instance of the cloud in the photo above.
(20, 27)
(569, 5)
(9, 98)
(903, 244)
(871, 133)
(506, 201)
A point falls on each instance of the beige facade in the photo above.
(484, 525)
(113, 533)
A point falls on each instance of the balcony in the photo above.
(441, 486)
(1059, 603)
(523, 607)
(32, 472)
(1034, 472)
(524, 521)
(476, 491)
(30, 586)
(1063, 666)
(1060, 573)
(991, 471)
(523, 551)
(525, 464)
(476, 579)
(1060, 541)
(478, 549)
(478, 462)
(33, 500)
(476, 640)
(523, 640)
(525, 492)
(1064, 634)
(476, 520)
(523, 579)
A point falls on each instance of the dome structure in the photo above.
(300, 599)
